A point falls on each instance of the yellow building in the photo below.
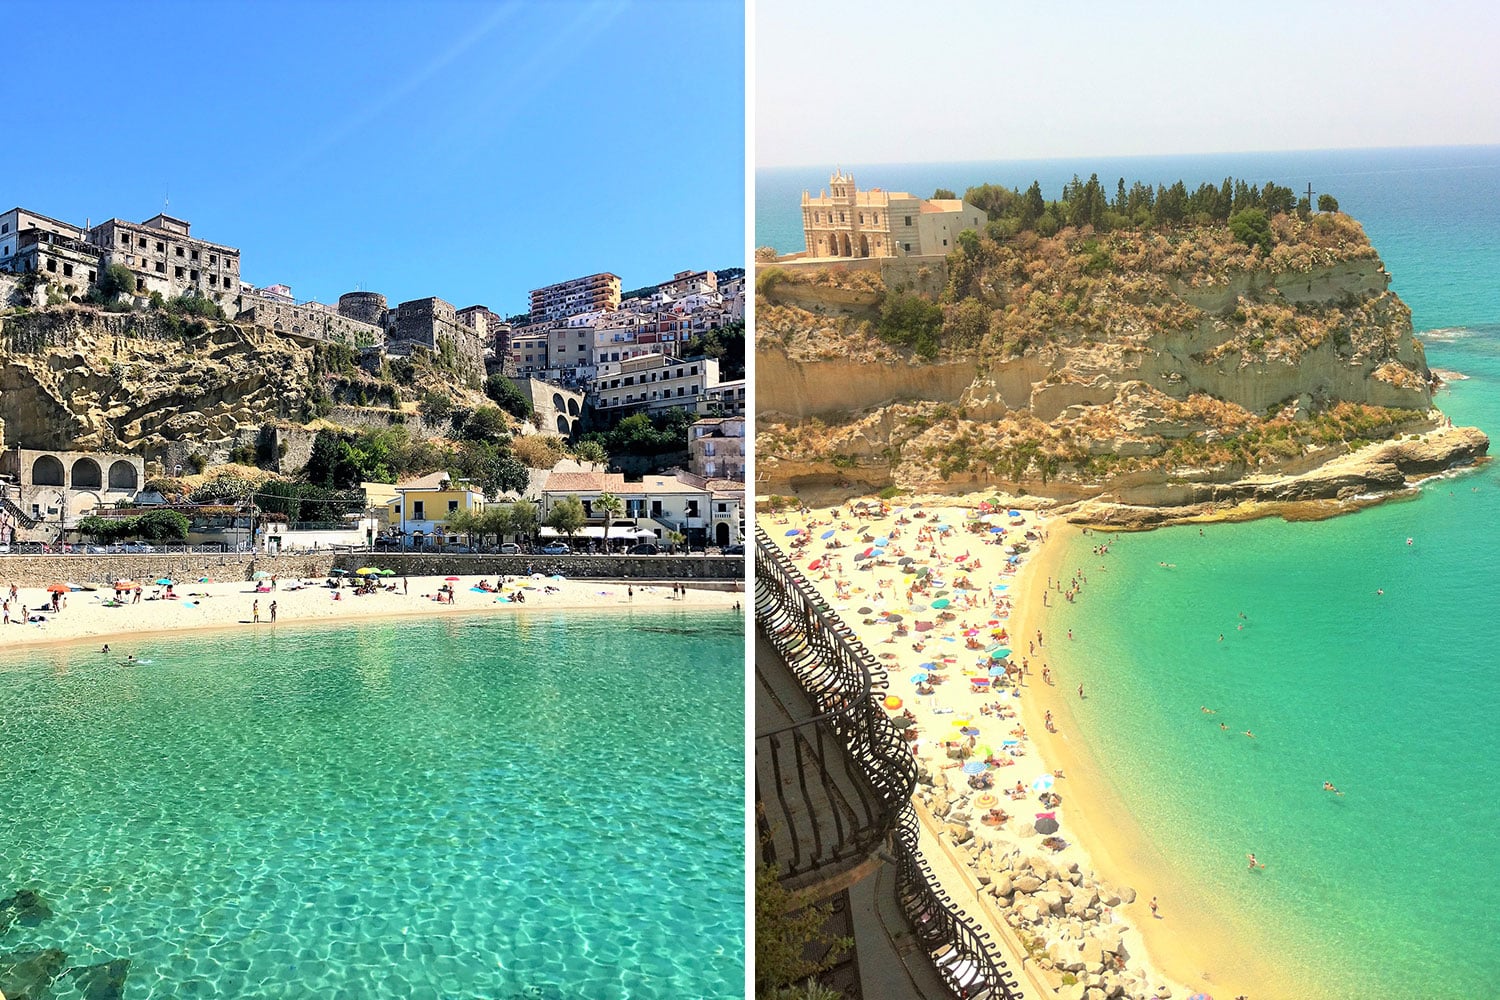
(844, 221)
(421, 508)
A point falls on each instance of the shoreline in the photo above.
(1192, 947)
(1192, 942)
(228, 607)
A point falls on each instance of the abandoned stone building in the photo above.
(164, 256)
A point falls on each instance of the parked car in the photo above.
(732, 550)
(461, 550)
(645, 549)
(556, 549)
(138, 547)
(387, 544)
(510, 549)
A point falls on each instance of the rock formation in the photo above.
(1137, 368)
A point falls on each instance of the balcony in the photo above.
(833, 787)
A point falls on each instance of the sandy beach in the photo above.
(234, 604)
(940, 587)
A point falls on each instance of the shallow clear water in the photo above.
(547, 806)
(1387, 891)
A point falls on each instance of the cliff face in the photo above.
(1080, 365)
(77, 379)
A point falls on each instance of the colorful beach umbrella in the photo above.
(976, 767)
(997, 671)
(829, 533)
(367, 570)
(260, 574)
(941, 602)
(793, 532)
(57, 588)
(919, 677)
(450, 579)
(164, 582)
(1042, 783)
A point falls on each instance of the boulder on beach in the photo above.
(1027, 883)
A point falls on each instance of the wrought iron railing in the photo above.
(845, 684)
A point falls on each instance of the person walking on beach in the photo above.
(405, 587)
(273, 612)
(1153, 908)
(1080, 691)
(629, 592)
(255, 613)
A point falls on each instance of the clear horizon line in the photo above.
(1125, 156)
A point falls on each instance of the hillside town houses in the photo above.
(618, 354)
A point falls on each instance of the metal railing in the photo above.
(845, 683)
(845, 772)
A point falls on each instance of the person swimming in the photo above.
(1328, 787)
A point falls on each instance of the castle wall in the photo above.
(310, 323)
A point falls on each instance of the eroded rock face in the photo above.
(76, 379)
(1152, 418)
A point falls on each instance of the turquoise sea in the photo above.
(1388, 890)
(540, 806)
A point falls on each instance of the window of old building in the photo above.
(161, 268)
(4, 228)
(141, 242)
(908, 221)
(67, 270)
(179, 251)
(161, 247)
(194, 273)
(176, 272)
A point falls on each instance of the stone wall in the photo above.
(310, 323)
(102, 570)
(573, 567)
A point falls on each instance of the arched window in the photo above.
(86, 474)
(122, 476)
(47, 471)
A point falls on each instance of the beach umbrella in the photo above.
(881, 543)
(923, 571)
(902, 722)
(1013, 513)
(338, 572)
(794, 531)
(859, 556)
(454, 579)
(905, 561)
(984, 751)
(1042, 783)
(387, 572)
(997, 531)
(260, 574)
(976, 767)
(997, 671)
(927, 666)
(815, 564)
(999, 653)
(365, 570)
(893, 618)
(892, 702)
(941, 593)
(941, 602)
(918, 677)
(58, 588)
(164, 582)
(864, 611)
(1046, 823)
(829, 533)
(924, 626)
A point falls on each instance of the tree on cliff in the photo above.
(1252, 228)
(1327, 203)
(507, 396)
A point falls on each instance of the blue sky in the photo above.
(957, 80)
(462, 149)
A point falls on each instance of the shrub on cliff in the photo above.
(507, 396)
(911, 321)
(1253, 228)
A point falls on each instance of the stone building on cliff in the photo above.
(843, 221)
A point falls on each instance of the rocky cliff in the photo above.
(1157, 368)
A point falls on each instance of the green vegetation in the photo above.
(786, 934)
(567, 516)
(1252, 228)
(1327, 203)
(343, 460)
(507, 396)
(643, 434)
(725, 345)
(911, 321)
(155, 526)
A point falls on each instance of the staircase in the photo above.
(22, 518)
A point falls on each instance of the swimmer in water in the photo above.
(1379, 592)
(1249, 734)
(1223, 727)
(1253, 863)
(105, 649)
(1206, 709)
(1328, 787)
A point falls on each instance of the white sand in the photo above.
(230, 605)
(970, 565)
